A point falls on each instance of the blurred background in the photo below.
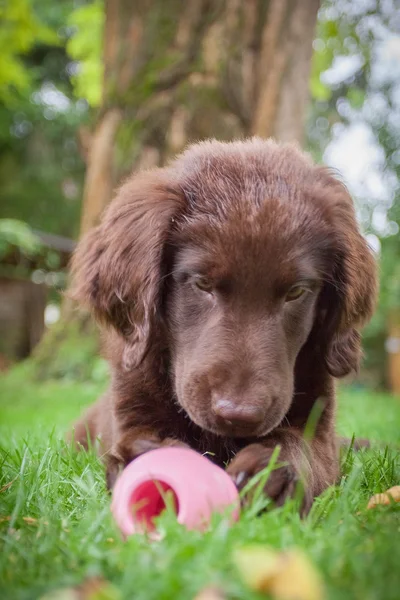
(91, 90)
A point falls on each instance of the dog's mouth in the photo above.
(228, 429)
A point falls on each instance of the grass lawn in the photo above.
(56, 529)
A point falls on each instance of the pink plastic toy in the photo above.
(198, 488)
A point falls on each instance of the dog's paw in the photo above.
(281, 483)
(127, 452)
(143, 445)
(114, 466)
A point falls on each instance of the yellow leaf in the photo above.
(298, 579)
(257, 566)
(284, 575)
(391, 495)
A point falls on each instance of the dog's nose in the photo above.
(238, 415)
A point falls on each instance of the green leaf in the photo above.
(356, 97)
(319, 91)
(85, 47)
(17, 233)
(20, 31)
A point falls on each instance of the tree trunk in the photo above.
(98, 182)
(176, 72)
(179, 72)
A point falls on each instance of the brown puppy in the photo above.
(231, 285)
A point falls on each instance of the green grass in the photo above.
(70, 535)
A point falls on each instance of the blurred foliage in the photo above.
(77, 357)
(85, 47)
(366, 32)
(50, 74)
(23, 255)
(15, 233)
(20, 32)
(41, 170)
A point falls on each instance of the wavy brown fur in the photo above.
(188, 274)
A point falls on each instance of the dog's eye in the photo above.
(204, 284)
(294, 293)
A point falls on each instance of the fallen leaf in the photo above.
(33, 521)
(30, 520)
(93, 588)
(298, 579)
(210, 593)
(257, 566)
(2, 519)
(7, 485)
(391, 495)
(283, 575)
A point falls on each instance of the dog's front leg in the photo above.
(313, 464)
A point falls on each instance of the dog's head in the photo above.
(239, 253)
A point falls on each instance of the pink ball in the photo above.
(198, 487)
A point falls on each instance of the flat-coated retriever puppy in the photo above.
(232, 286)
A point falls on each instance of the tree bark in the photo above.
(98, 182)
(179, 72)
(176, 72)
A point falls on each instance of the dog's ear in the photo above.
(118, 267)
(348, 300)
